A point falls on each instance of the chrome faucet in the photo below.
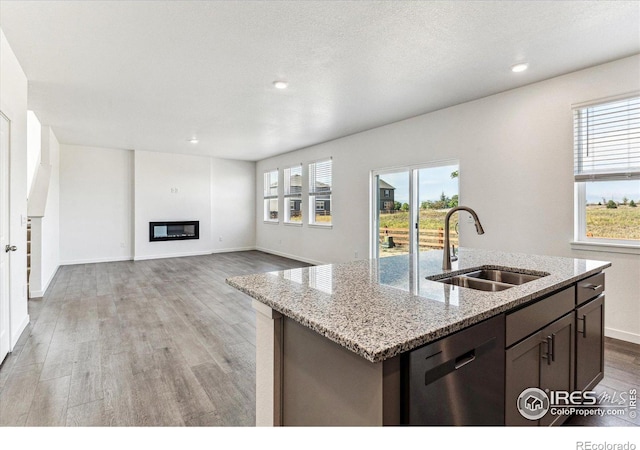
(446, 257)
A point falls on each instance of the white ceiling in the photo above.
(149, 75)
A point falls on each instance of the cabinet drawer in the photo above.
(589, 288)
(531, 318)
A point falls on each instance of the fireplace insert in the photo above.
(174, 231)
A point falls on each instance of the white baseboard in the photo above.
(15, 334)
(37, 294)
(233, 249)
(287, 255)
(172, 255)
(622, 335)
(95, 260)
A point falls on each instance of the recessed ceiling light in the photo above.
(280, 84)
(194, 140)
(521, 67)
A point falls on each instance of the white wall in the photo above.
(171, 187)
(45, 231)
(516, 170)
(33, 146)
(108, 197)
(233, 205)
(13, 104)
(96, 204)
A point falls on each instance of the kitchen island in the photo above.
(330, 339)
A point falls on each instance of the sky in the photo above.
(433, 181)
(437, 179)
(613, 190)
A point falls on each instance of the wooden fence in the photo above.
(427, 238)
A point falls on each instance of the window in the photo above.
(387, 193)
(607, 172)
(293, 194)
(320, 184)
(412, 219)
(271, 196)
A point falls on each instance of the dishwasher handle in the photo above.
(465, 359)
(458, 362)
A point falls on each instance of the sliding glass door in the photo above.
(393, 234)
(409, 207)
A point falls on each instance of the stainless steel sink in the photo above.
(502, 276)
(491, 280)
(476, 283)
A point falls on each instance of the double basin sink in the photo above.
(492, 280)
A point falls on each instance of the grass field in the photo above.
(430, 219)
(620, 223)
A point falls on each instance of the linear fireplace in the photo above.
(174, 231)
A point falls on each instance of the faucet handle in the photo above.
(453, 253)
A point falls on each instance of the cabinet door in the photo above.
(589, 344)
(557, 364)
(522, 372)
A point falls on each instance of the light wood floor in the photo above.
(162, 343)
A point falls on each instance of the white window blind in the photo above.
(271, 196)
(607, 141)
(320, 189)
(293, 194)
(271, 184)
(293, 181)
(320, 177)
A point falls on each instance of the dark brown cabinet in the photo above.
(589, 344)
(556, 366)
(522, 371)
(543, 360)
(564, 355)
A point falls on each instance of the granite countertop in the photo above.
(380, 308)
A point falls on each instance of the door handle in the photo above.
(10, 248)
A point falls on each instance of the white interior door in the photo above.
(4, 237)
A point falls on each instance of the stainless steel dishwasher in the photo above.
(458, 380)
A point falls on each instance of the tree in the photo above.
(625, 200)
(397, 206)
(454, 201)
(611, 204)
(405, 207)
(633, 204)
(455, 174)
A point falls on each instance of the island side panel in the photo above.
(268, 366)
(326, 384)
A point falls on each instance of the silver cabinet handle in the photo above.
(584, 325)
(548, 353)
(10, 248)
(592, 286)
